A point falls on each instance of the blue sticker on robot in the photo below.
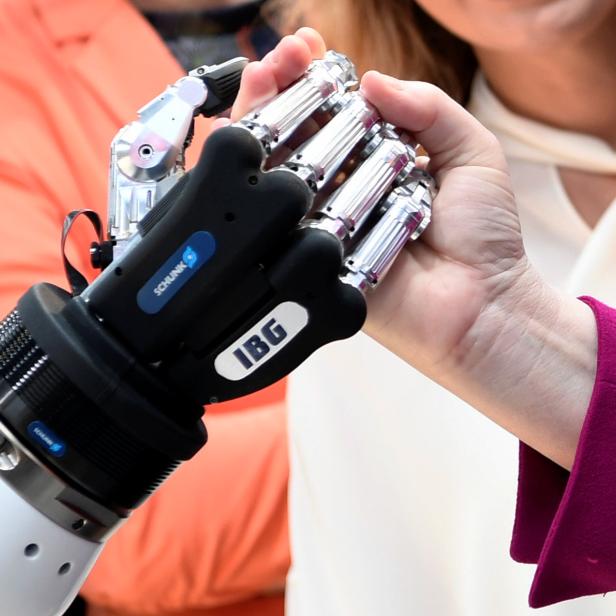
(176, 271)
(47, 439)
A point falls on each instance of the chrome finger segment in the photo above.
(322, 85)
(147, 156)
(347, 209)
(318, 160)
(148, 149)
(407, 213)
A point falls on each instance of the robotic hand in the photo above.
(216, 283)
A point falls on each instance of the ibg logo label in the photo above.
(262, 341)
(177, 270)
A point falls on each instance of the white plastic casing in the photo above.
(42, 566)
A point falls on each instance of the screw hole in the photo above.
(118, 271)
(146, 151)
(253, 179)
(230, 217)
(64, 569)
(213, 400)
(31, 550)
(78, 524)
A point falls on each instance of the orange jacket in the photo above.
(71, 73)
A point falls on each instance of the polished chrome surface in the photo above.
(347, 209)
(324, 81)
(148, 159)
(9, 455)
(147, 156)
(407, 214)
(319, 159)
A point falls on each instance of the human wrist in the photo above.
(529, 364)
(513, 300)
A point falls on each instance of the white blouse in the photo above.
(402, 497)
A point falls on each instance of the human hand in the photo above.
(435, 306)
(475, 239)
(463, 304)
(262, 80)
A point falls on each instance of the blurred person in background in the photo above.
(401, 500)
(376, 547)
(214, 540)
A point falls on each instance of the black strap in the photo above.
(76, 279)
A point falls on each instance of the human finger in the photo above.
(314, 41)
(451, 135)
(278, 69)
(289, 59)
(219, 123)
(258, 85)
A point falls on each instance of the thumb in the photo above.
(451, 135)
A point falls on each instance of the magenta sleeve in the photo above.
(566, 522)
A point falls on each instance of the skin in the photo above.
(517, 350)
(521, 25)
(552, 61)
(184, 5)
(513, 348)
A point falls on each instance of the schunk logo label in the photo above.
(258, 345)
(189, 260)
(47, 439)
(176, 271)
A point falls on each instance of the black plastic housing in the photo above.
(249, 212)
(306, 272)
(120, 382)
(124, 429)
(262, 259)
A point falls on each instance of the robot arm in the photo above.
(222, 281)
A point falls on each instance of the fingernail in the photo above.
(272, 57)
(392, 81)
